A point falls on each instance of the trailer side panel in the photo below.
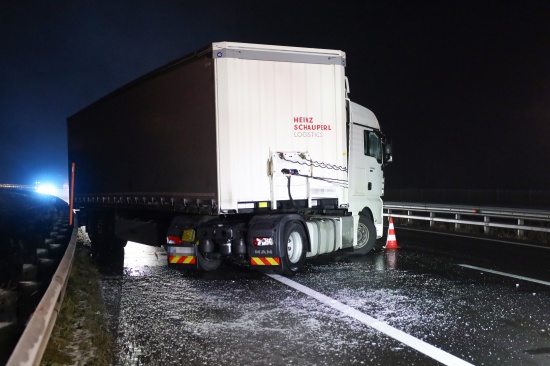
(154, 137)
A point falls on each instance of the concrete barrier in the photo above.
(30, 348)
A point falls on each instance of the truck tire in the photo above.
(106, 247)
(294, 247)
(99, 236)
(207, 264)
(366, 235)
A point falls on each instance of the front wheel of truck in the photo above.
(366, 235)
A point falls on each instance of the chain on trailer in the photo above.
(307, 161)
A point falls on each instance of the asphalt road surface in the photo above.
(438, 300)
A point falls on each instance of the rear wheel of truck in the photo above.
(106, 247)
(99, 236)
(366, 235)
(294, 246)
(208, 262)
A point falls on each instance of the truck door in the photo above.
(366, 162)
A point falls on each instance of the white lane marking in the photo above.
(421, 346)
(506, 274)
(476, 238)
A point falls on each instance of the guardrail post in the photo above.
(432, 222)
(457, 225)
(409, 220)
(521, 222)
(487, 221)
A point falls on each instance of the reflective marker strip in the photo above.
(506, 274)
(265, 261)
(182, 259)
(421, 346)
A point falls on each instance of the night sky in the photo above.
(462, 87)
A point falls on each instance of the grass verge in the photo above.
(81, 334)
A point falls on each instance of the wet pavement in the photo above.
(236, 316)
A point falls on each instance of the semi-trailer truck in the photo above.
(244, 151)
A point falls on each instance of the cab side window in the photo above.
(373, 145)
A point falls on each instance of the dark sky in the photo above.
(462, 87)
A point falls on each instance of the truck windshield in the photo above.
(373, 145)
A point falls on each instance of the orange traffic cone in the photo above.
(391, 241)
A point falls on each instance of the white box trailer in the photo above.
(224, 150)
(278, 99)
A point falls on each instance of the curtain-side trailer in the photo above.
(244, 151)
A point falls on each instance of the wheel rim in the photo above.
(362, 235)
(294, 247)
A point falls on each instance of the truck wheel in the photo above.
(99, 238)
(116, 258)
(294, 245)
(366, 235)
(208, 263)
(105, 245)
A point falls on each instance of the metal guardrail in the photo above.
(518, 219)
(32, 344)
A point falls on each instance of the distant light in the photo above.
(46, 189)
